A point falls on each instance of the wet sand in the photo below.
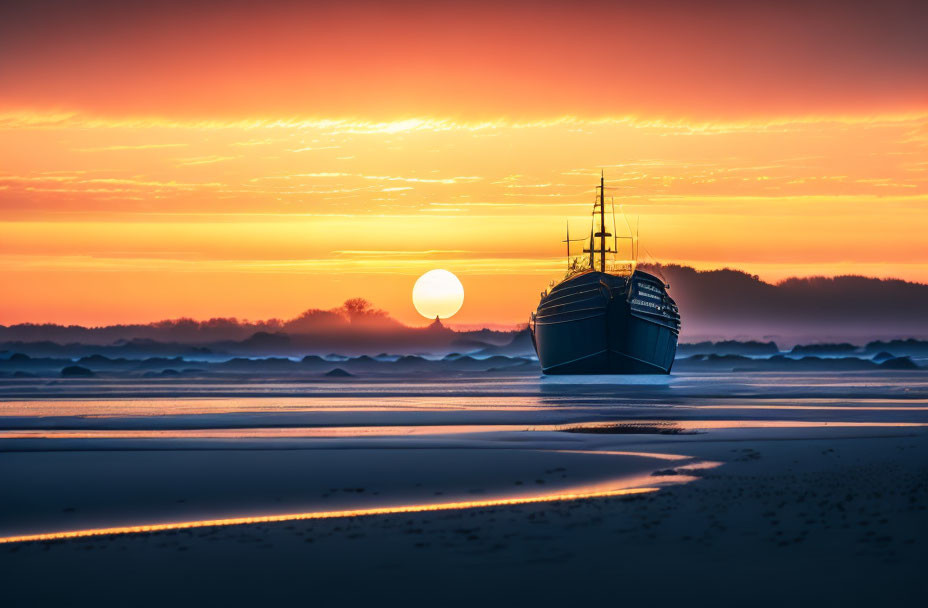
(751, 508)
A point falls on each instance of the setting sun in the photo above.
(438, 293)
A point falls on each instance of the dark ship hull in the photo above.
(599, 323)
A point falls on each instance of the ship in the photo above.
(605, 318)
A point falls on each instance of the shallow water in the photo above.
(430, 402)
(93, 454)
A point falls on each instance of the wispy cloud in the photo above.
(774, 124)
(423, 180)
(315, 148)
(131, 147)
(203, 160)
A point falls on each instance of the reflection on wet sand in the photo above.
(636, 427)
(273, 433)
(169, 406)
(567, 495)
(162, 406)
(699, 425)
(827, 408)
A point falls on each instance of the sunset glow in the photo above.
(256, 165)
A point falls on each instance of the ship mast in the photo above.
(602, 222)
(602, 234)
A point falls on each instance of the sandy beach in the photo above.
(515, 490)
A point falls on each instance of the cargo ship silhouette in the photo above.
(616, 319)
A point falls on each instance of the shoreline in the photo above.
(813, 514)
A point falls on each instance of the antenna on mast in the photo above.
(591, 248)
(567, 240)
(615, 235)
(602, 221)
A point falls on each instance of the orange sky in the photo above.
(198, 161)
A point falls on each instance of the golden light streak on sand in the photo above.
(274, 432)
(784, 424)
(237, 521)
(162, 406)
(332, 432)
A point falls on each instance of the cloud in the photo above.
(131, 147)
(204, 160)
(424, 180)
(315, 148)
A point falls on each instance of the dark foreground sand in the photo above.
(829, 518)
(819, 497)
